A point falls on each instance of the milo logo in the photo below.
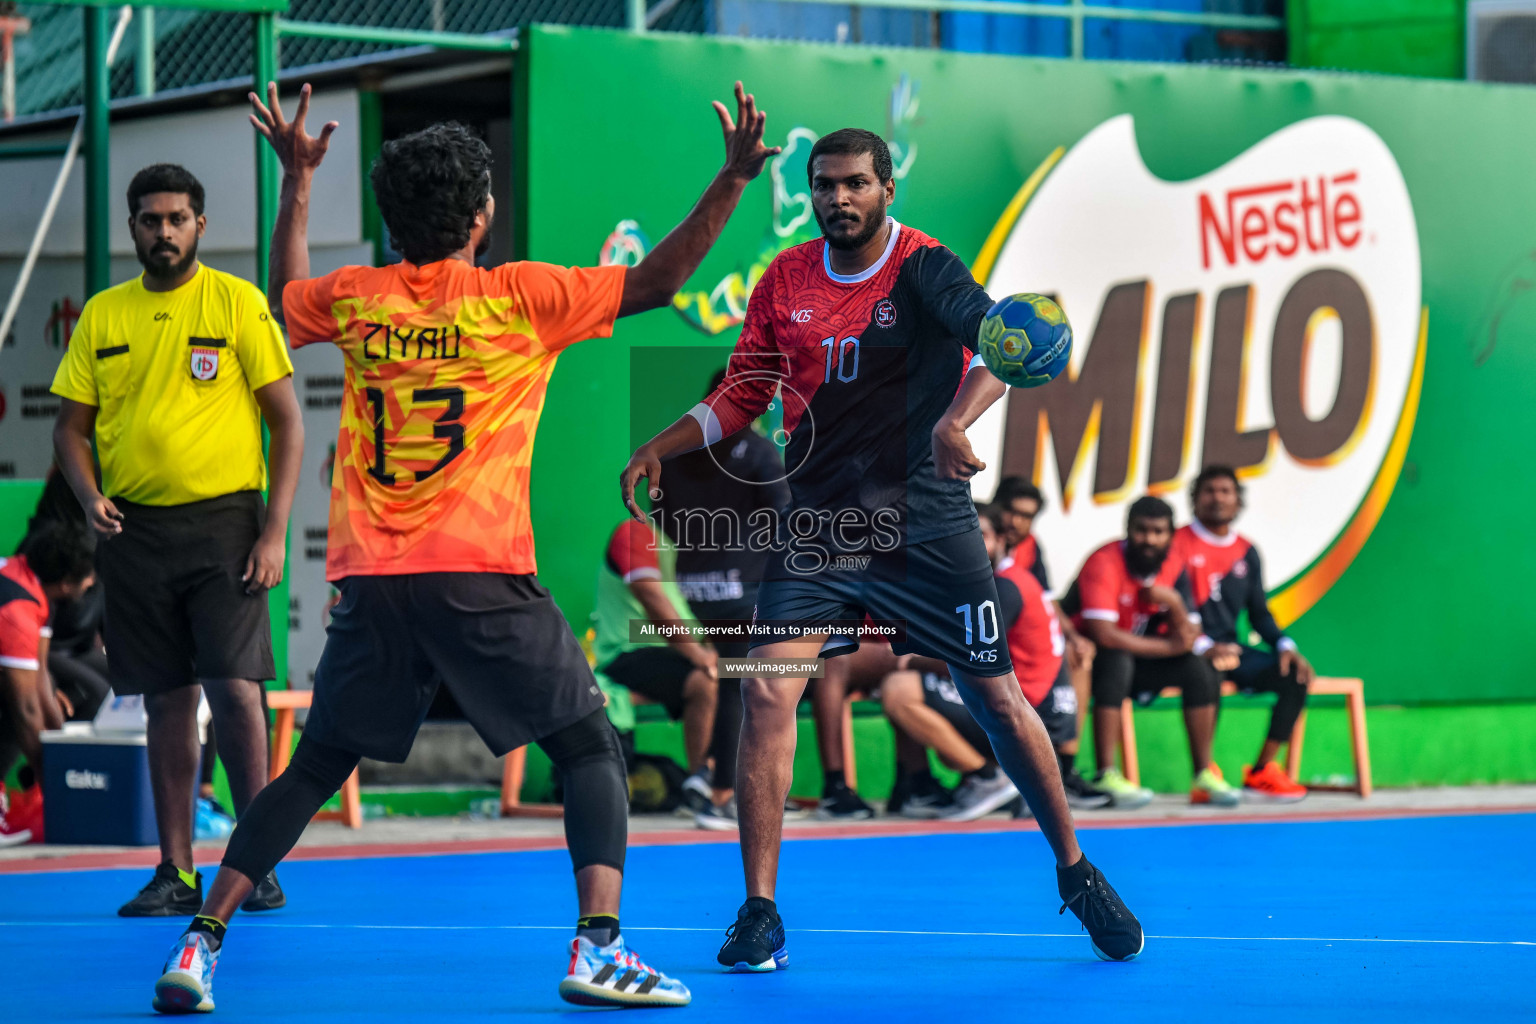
(1264, 316)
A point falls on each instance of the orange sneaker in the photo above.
(1272, 785)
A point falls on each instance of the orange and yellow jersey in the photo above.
(446, 370)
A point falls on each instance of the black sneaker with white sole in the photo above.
(1082, 794)
(166, 895)
(755, 943)
(840, 803)
(1114, 932)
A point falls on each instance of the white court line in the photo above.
(245, 923)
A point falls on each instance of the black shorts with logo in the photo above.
(497, 641)
(1057, 711)
(943, 592)
(656, 673)
(176, 607)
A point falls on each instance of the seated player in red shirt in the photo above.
(1016, 504)
(638, 583)
(924, 702)
(1227, 578)
(54, 564)
(1132, 599)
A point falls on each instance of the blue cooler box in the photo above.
(96, 789)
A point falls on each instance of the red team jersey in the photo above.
(632, 552)
(23, 614)
(1106, 590)
(1034, 636)
(446, 368)
(1227, 578)
(866, 364)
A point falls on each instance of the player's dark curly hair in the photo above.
(165, 178)
(59, 552)
(852, 142)
(1148, 507)
(1210, 473)
(429, 185)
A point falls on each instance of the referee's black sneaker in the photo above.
(755, 943)
(266, 896)
(166, 895)
(1114, 932)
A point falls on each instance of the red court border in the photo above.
(149, 857)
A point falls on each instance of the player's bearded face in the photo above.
(165, 234)
(1146, 545)
(848, 199)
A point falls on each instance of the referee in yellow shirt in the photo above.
(173, 372)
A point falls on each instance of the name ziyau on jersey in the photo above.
(1264, 315)
(385, 341)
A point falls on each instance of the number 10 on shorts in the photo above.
(985, 621)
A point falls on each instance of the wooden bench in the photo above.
(284, 703)
(1353, 692)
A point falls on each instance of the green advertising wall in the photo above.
(618, 128)
(1424, 38)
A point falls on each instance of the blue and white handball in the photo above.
(1025, 340)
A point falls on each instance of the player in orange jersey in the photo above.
(430, 542)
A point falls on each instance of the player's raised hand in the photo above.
(744, 149)
(643, 465)
(297, 151)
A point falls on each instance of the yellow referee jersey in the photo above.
(173, 376)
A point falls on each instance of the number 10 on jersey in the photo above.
(843, 356)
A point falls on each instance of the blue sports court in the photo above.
(1411, 919)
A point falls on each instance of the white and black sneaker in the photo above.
(978, 796)
(718, 817)
(697, 793)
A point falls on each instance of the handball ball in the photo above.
(1025, 340)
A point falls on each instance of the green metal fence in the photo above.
(172, 48)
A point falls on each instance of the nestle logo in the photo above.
(85, 780)
(1282, 218)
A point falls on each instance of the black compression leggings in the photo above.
(1259, 672)
(1118, 675)
(585, 753)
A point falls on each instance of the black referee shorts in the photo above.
(176, 607)
(944, 594)
(497, 641)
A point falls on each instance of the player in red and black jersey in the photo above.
(1132, 600)
(864, 335)
(54, 564)
(1228, 579)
